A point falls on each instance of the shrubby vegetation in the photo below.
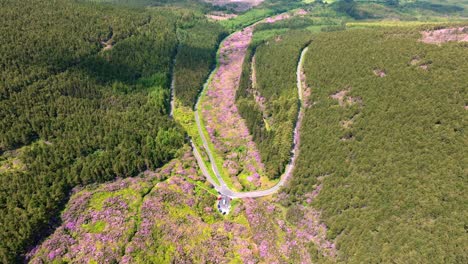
(389, 150)
(170, 217)
(270, 105)
(85, 90)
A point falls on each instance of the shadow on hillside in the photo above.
(104, 71)
(438, 8)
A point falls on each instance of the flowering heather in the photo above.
(277, 18)
(287, 238)
(98, 222)
(170, 216)
(226, 128)
(163, 217)
(306, 90)
(301, 12)
(95, 225)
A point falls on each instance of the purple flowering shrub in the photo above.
(225, 126)
(279, 239)
(95, 226)
(166, 216)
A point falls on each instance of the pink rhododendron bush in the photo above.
(170, 216)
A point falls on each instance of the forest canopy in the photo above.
(385, 142)
(84, 98)
(268, 98)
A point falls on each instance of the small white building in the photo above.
(224, 204)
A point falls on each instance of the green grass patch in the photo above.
(184, 115)
(217, 158)
(186, 118)
(96, 227)
(246, 185)
(129, 195)
(246, 19)
(202, 188)
(262, 35)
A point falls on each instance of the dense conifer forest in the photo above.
(84, 98)
(385, 140)
(195, 58)
(267, 96)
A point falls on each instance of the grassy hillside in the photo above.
(385, 140)
(84, 98)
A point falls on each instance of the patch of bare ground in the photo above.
(424, 66)
(344, 99)
(340, 95)
(107, 44)
(347, 137)
(379, 72)
(218, 16)
(417, 61)
(439, 36)
(347, 123)
(11, 162)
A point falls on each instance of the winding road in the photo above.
(222, 188)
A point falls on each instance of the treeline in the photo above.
(298, 23)
(272, 122)
(266, 9)
(195, 57)
(403, 10)
(84, 93)
(389, 150)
